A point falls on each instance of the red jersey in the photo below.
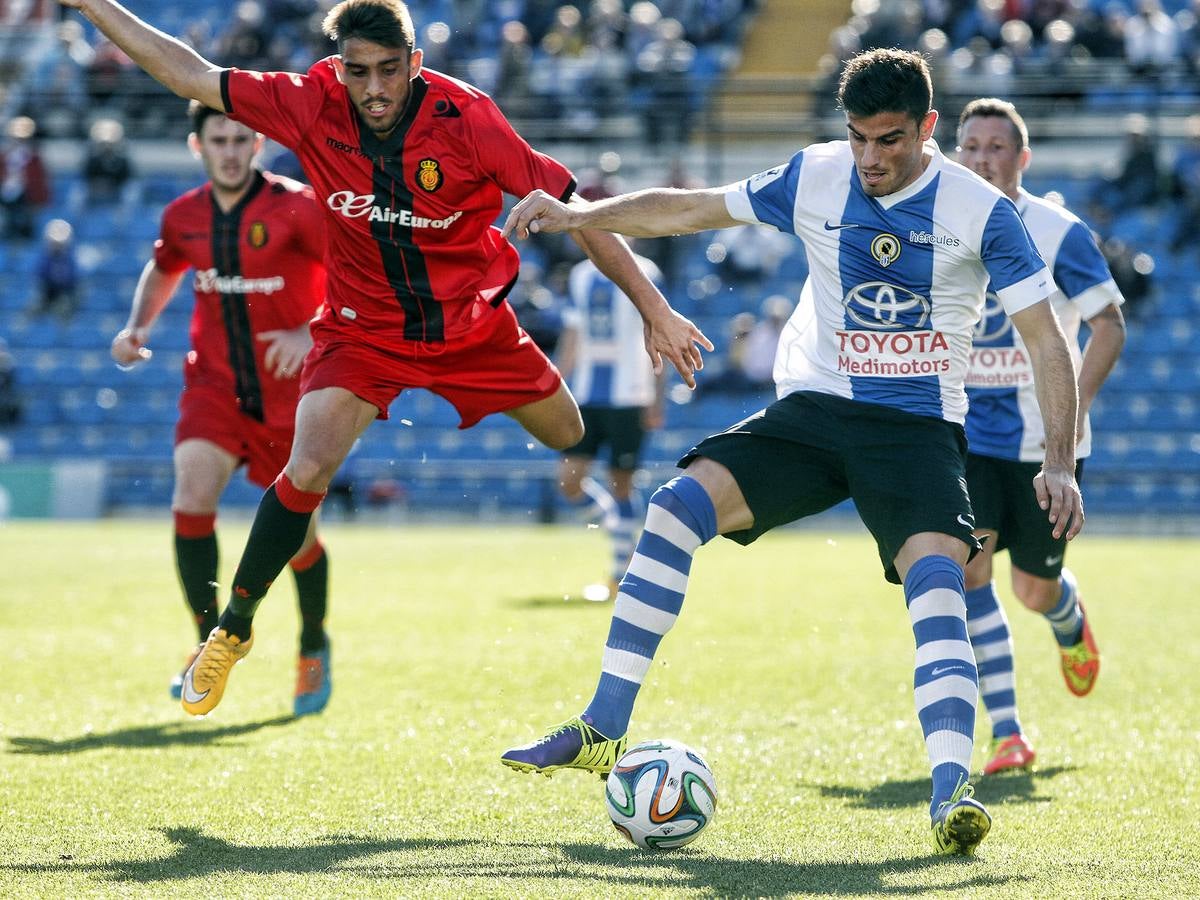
(258, 268)
(412, 255)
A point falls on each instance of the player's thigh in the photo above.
(779, 465)
(1031, 544)
(907, 476)
(202, 470)
(554, 420)
(625, 437)
(328, 422)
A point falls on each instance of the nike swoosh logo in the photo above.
(189, 690)
(1053, 560)
(965, 523)
(940, 670)
(829, 227)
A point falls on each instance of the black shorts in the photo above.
(1004, 500)
(810, 451)
(620, 427)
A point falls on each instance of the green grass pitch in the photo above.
(790, 669)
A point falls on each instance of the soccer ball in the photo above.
(661, 794)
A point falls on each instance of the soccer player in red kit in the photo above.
(254, 242)
(410, 167)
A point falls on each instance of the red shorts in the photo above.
(212, 414)
(495, 368)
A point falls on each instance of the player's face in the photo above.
(227, 149)
(888, 149)
(379, 80)
(989, 147)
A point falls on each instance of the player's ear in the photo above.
(194, 144)
(928, 124)
(414, 62)
(1023, 159)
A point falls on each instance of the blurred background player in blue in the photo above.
(620, 399)
(1006, 435)
(256, 244)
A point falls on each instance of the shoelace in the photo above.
(215, 660)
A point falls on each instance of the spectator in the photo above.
(10, 398)
(664, 67)
(1151, 40)
(747, 254)
(763, 339)
(108, 75)
(106, 167)
(24, 185)
(58, 271)
(1103, 34)
(1137, 182)
(1132, 270)
(515, 62)
(1185, 188)
(731, 377)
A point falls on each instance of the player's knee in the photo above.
(566, 435)
(309, 474)
(1037, 594)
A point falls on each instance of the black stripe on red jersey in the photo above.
(403, 261)
(226, 256)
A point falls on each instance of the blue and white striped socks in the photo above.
(679, 520)
(622, 531)
(992, 642)
(945, 681)
(1066, 618)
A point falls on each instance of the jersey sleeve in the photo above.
(281, 105)
(506, 158)
(1018, 274)
(1082, 273)
(168, 253)
(768, 198)
(312, 235)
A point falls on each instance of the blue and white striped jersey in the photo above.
(611, 367)
(1004, 420)
(896, 283)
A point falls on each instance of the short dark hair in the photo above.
(993, 107)
(387, 23)
(886, 80)
(199, 114)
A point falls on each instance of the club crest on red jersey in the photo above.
(257, 235)
(429, 176)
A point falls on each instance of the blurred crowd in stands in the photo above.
(556, 62)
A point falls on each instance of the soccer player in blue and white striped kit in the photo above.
(620, 399)
(1005, 433)
(902, 244)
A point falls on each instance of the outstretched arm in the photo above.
(656, 212)
(1054, 378)
(172, 63)
(154, 291)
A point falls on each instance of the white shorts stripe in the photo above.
(623, 664)
(937, 602)
(644, 616)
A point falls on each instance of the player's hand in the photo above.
(129, 347)
(538, 213)
(286, 351)
(1058, 493)
(675, 337)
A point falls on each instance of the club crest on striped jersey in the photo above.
(429, 175)
(257, 235)
(885, 248)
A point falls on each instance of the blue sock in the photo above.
(992, 642)
(622, 531)
(680, 519)
(1066, 618)
(945, 681)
